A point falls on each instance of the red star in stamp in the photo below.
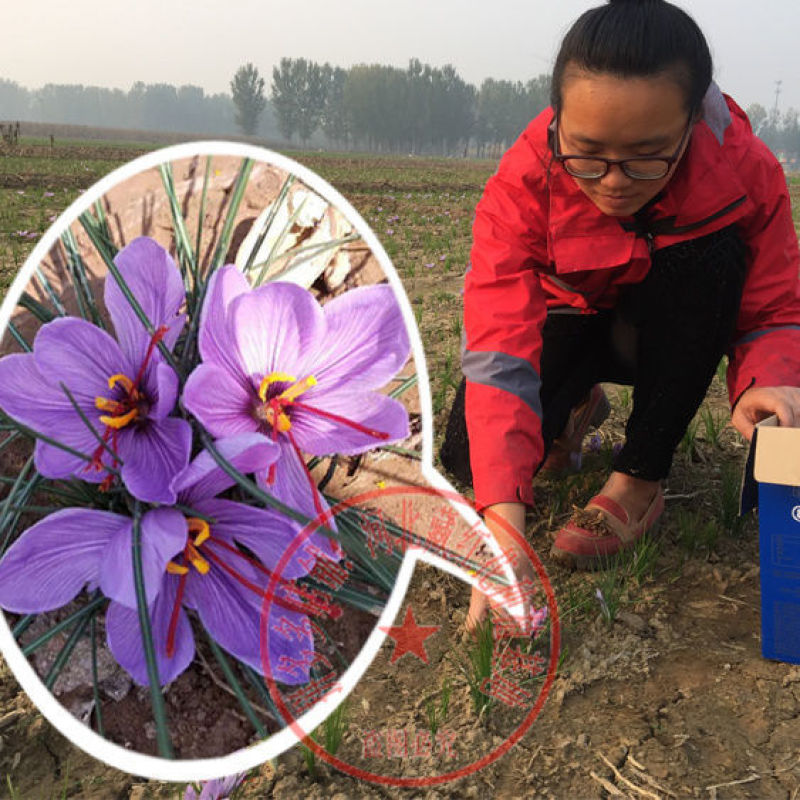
(410, 637)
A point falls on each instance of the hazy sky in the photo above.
(110, 43)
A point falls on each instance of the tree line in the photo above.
(158, 106)
(419, 109)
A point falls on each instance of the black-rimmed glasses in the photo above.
(640, 168)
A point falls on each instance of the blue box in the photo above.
(774, 464)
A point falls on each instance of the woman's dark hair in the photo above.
(637, 38)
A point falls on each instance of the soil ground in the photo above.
(666, 696)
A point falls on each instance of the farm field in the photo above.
(661, 690)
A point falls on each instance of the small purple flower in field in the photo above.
(52, 218)
(617, 448)
(380, 208)
(187, 562)
(408, 197)
(538, 617)
(442, 258)
(21, 234)
(595, 442)
(49, 194)
(603, 605)
(389, 232)
(430, 265)
(20, 191)
(122, 386)
(219, 789)
(275, 362)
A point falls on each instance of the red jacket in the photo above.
(540, 243)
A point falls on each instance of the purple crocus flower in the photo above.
(277, 363)
(538, 618)
(187, 562)
(218, 789)
(122, 386)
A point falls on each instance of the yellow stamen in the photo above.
(104, 404)
(284, 423)
(273, 377)
(199, 527)
(199, 563)
(126, 382)
(120, 422)
(301, 386)
(176, 569)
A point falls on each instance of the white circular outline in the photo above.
(796, 513)
(187, 770)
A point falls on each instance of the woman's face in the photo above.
(605, 115)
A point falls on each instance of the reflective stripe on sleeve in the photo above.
(503, 371)
(751, 337)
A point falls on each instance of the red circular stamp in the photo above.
(516, 676)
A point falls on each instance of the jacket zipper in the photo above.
(665, 227)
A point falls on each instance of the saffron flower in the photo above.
(538, 618)
(218, 789)
(123, 386)
(188, 561)
(277, 363)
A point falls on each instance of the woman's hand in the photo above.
(499, 518)
(759, 402)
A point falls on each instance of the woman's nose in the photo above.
(615, 178)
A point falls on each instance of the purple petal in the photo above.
(163, 534)
(220, 402)
(81, 356)
(319, 435)
(26, 397)
(150, 273)
(276, 327)
(53, 560)
(216, 343)
(153, 454)
(221, 788)
(290, 644)
(203, 478)
(28, 394)
(268, 534)
(164, 397)
(53, 462)
(231, 613)
(125, 637)
(366, 342)
(291, 485)
(228, 610)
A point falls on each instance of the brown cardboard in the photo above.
(777, 458)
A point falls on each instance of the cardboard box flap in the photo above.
(777, 458)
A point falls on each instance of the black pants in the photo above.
(665, 337)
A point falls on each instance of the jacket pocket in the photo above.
(581, 253)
